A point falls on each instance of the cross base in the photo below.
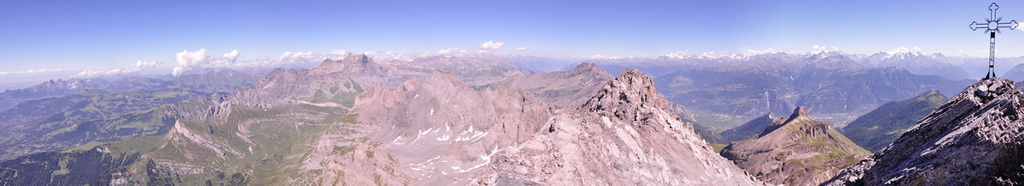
(991, 73)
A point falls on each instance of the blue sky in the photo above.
(113, 34)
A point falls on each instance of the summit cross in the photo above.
(992, 26)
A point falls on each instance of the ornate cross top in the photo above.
(992, 26)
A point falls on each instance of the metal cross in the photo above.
(992, 26)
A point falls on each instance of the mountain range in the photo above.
(487, 119)
(348, 122)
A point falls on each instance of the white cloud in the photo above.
(601, 57)
(339, 53)
(905, 50)
(819, 49)
(139, 66)
(753, 52)
(389, 56)
(449, 51)
(195, 60)
(295, 57)
(147, 64)
(178, 71)
(491, 45)
(106, 72)
(191, 60)
(520, 49)
(677, 55)
(711, 55)
(33, 71)
(231, 56)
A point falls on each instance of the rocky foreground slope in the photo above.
(976, 138)
(623, 135)
(795, 151)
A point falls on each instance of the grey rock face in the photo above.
(975, 138)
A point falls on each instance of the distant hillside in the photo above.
(1016, 73)
(882, 126)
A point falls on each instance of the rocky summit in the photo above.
(623, 135)
(975, 138)
(795, 151)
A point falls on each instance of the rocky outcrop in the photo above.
(975, 138)
(623, 135)
(795, 151)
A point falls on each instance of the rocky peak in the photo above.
(631, 87)
(587, 70)
(353, 63)
(975, 136)
(356, 59)
(586, 67)
(626, 95)
(799, 114)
